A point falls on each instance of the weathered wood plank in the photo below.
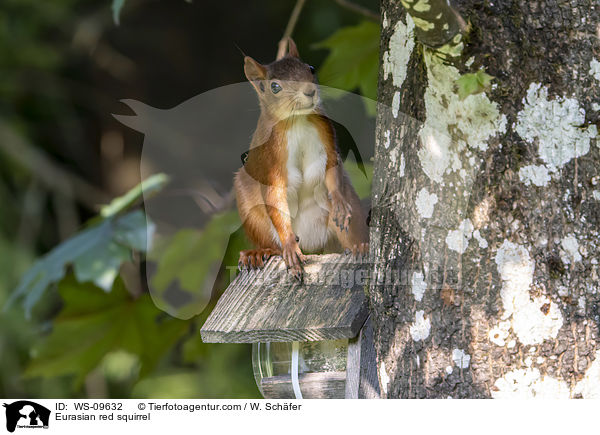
(326, 385)
(270, 305)
(361, 368)
(369, 381)
(353, 368)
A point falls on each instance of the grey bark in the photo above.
(550, 42)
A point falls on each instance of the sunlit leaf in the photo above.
(98, 251)
(96, 254)
(147, 188)
(117, 5)
(134, 230)
(473, 83)
(101, 265)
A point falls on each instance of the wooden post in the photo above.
(361, 370)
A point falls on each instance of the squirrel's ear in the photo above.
(292, 49)
(254, 70)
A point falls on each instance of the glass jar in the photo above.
(308, 369)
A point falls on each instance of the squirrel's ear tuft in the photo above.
(292, 49)
(254, 70)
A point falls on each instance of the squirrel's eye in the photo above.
(275, 87)
(312, 69)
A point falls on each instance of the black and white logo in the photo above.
(25, 414)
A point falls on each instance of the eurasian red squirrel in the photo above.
(292, 193)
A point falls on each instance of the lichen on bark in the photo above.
(502, 198)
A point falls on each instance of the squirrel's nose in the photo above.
(311, 93)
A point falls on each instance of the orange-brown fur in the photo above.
(261, 185)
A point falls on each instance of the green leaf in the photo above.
(98, 251)
(117, 5)
(189, 259)
(101, 265)
(93, 323)
(353, 61)
(360, 181)
(473, 83)
(134, 230)
(147, 188)
(96, 254)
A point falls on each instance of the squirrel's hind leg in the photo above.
(256, 222)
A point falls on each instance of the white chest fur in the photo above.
(306, 192)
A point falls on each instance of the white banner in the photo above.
(311, 417)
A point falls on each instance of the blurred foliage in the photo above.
(190, 258)
(353, 61)
(92, 323)
(96, 255)
(101, 325)
(90, 326)
(23, 40)
(110, 327)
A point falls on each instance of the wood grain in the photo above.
(326, 385)
(269, 305)
(361, 368)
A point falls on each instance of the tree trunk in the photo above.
(486, 208)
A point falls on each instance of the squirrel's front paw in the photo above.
(255, 258)
(293, 257)
(341, 211)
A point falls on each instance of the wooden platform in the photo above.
(270, 305)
